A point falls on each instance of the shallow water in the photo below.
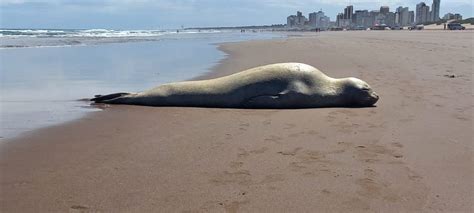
(42, 86)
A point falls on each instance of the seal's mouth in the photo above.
(373, 98)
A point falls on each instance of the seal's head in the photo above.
(358, 93)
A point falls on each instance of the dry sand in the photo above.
(413, 152)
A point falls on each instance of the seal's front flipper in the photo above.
(102, 98)
(263, 101)
(283, 100)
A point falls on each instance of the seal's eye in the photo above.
(365, 89)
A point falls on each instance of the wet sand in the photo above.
(413, 152)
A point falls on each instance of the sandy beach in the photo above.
(413, 152)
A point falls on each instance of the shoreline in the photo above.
(210, 73)
(24, 118)
(131, 158)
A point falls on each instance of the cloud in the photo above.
(187, 4)
(109, 6)
(152, 13)
(359, 3)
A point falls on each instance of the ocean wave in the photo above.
(90, 33)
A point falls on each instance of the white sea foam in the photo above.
(90, 33)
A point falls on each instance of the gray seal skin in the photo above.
(278, 86)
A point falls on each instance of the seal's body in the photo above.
(285, 85)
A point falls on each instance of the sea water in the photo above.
(45, 73)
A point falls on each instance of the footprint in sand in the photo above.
(267, 122)
(325, 191)
(242, 153)
(372, 153)
(78, 208)
(397, 145)
(273, 138)
(314, 132)
(310, 163)
(295, 135)
(259, 151)
(236, 164)
(346, 112)
(289, 126)
(330, 118)
(272, 178)
(292, 152)
(241, 177)
(243, 126)
(234, 206)
(344, 127)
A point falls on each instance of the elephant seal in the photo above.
(283, 85)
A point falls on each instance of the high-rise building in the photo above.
(379, 19)
(422, 13)
(397, 16)
(318, 19)
(344, 20)
(348, 12)
(435, 10)
(362, 19)
(450, 16)
(312, 19)
(339, 17)
(383, 16)
(319, 16)
(411, 17)
(402, 16)
(296, 21)
(324, 22)
(300, 18)
(390, 19)
(374, 17)
(291, 21)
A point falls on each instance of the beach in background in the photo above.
(44, 73)
(410, 153)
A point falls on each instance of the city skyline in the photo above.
(363, 18)
(152, 14)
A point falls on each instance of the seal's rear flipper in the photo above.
(102, 98)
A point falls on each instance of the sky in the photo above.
(170, 14)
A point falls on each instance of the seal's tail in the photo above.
(105, 98)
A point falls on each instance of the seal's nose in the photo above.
(374, 97)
